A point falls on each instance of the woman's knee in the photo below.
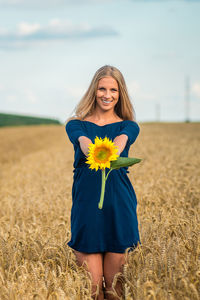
(113, 263)
(93, 263)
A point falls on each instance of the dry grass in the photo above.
(35, 200)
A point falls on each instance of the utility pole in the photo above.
(187, 99)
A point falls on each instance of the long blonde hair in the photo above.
(124, 108)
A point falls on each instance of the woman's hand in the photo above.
(84, 142)
(120, 141)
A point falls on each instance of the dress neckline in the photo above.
(102, 125)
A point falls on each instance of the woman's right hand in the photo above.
(84, 143)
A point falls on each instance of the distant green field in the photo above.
(17, 120)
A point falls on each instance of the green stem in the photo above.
(108, 173)
(103, 183)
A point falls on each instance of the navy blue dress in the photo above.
(114, 227)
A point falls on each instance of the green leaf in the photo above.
(124, 162)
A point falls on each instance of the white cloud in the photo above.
(24, 29)
(196, 89)
(57, 29)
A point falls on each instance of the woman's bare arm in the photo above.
(120, 141)
(84, 142)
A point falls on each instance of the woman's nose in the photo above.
(107, 94)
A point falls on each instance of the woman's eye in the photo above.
(113, 90)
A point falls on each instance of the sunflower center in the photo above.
(102, 154)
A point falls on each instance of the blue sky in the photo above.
(50, 50)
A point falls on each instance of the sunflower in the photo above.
(101, 153)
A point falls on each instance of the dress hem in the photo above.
(103, 250)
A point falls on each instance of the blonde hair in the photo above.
(123, 108)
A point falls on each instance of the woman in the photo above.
(99, 238)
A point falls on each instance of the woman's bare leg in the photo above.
(95, 267)
(113, 263)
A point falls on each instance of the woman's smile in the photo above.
(106, 101)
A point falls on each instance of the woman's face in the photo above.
(107, 94)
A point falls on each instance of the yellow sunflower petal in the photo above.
(101, 153)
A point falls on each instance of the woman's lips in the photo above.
(106, 102)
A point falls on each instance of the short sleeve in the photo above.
(131, 129)
(74, 130)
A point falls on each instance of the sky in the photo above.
(50, 50)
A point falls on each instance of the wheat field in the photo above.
(35, 202)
